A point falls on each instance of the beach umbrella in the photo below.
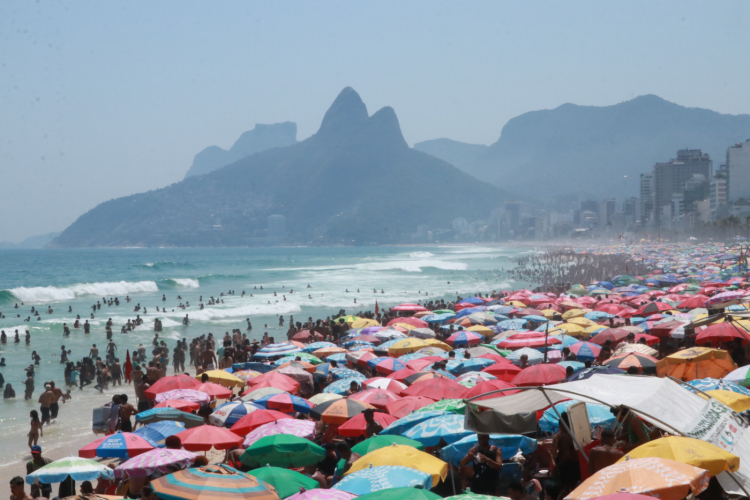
(665, 328)
(286, 403)
(421, 376)
(471, 379)
(534, 356)
(389, 335)
(307, 336)
(639, 348)
(276, 380)
(457, 406)
(738, 402)
(405, 456)
(159, 431)
(309, 348)
(166, 384)
(384, 383)
(378, 398)
(740, 376)
(222, 377)
(406, 346)
(689, 451)
(697, 362)
(509, 444)
(488, 386)
(386, 365)
(167, 414)
(449, 427)
(356, 426)
(407, 405)
(697, 300)
(422, 333)
(544, 374)
(300, 365)
(293, 427)
(323, 397)
(585, 351)
(365, 323)
(338, 411)
(342, 373)
(341, 387)
(614, 335)
(405, 423)
(598, 415)
(205, 437)
(276, 350)
(184, 395)
(246, 375)
(229, 413)
(80, 469)
(645, 364)
(299, 375)
(117, 445)
(381, 441)
(252, 395)
(282, 450)
(712, 384)
(161, 459)
(666, 479)
(327, 351)
(436, 389)
(402, 375)
(213, 482)
(178, 404)
(470, 365)
(718, 333)
(415, 322)
(383, 478)
(465, 338)
(321, 494)
(253, 420)
(216, 391)
(504, 372)
(595, 370)
(286, 482)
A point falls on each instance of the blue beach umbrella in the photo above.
(384, 477)
(339, 357)
(598, 315)
(536, 319)
(341, 386)
(712, 384)
(403, 424)
(353, 344)
(576, 365)
(341, 373)
(448, 427)
(414, 355)
(470, 365)
(159, 431)
(229, 413)
(274, 350)
(535, 357)
(317, 345)
(299, 404)
(598, 415)
(585, 351)
(509, 444)
(511, 324)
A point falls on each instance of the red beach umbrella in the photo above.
(253, 420)
(407, 405)
(205, 437)
(166, 384)
(378, 398)
(273, 379)
(615, 335)
(357, 426)
(722, 332)
(437, 389)
(214, 390)
(409, 307)
(544, 374)
(506, 372)
(489, 386)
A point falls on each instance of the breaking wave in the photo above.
(45, 294)
(184, 282)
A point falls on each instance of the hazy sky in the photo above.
(104, 99)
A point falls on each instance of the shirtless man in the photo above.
(152, 372)
(208, 358)
(45, 400)
(144, 403)
(226, 361)
(605, 454)
(54, 407)
(94, 353)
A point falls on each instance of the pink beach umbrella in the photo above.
(184, 395)
(300, 428)
(161, 458)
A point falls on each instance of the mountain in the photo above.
(355, 181)
(253, 141)
(589, 149)
(38, 241)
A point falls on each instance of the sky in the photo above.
(104, 99)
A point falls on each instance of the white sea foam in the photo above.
(421, 255)
(409, 266)
(186, 282)
(46, 294)
(238, 311)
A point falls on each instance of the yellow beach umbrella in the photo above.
(696, 363)
(516, 304)
(405, 456)
(348, 318)
(405, 346)
(482, 330)
(737, 402)
(569, 328)
(549, 313)
(328, 351)
(438, 344)
(590, 330)
(584, 322)
(223, 378)
(364, 323)
(573, 313)
(689, 451)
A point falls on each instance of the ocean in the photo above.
(78, 278)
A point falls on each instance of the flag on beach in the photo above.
(377, 309)
(128, 366)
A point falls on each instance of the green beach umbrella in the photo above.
(282, 450)
(401, 494)
(377, 442)
(287, 482)
(457, 406)
(164, 414)
(303, 355)
(444, 311)
(502, 352)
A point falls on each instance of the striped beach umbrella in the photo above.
(168, 414)
(159, 431)
(317, 345)
(166, 384)
(252, 421)
(80, 469)
(184, 395)
(386, 365)
(448, 427)
(403, 424)
(300, 428)
(277, 350)
(246, 375)
(229, 413)
(464, 338)
(585, 351)
(286, 403)
(213, 482)
(340, 387)
(161, 459)
(712, 384)
(339, 411)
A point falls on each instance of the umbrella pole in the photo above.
(559, 417)
(546, 333)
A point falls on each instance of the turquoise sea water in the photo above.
(78, 278)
